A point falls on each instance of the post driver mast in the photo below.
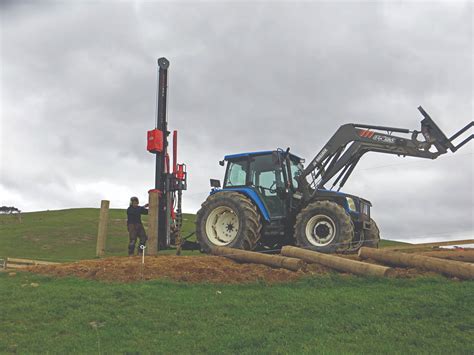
(168, 183)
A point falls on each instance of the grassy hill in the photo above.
(326, 314)
(68, 235)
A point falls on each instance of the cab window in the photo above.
(236, 173)
(296, 170)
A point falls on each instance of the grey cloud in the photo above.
(78, 87)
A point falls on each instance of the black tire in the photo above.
(249, 222)
(329, 217)
(372, 236)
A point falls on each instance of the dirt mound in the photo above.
(212, 269)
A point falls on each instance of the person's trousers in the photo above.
(136, 231)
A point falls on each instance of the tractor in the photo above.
(269, 199)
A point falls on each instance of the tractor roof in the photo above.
(264, 152)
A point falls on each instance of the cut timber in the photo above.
(447, 267)
(456, 254)
(29, 261)
(258, 258)
(17, 263)
(17, 266)
(431, 245)
(338, 263)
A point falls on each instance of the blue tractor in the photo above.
(269, 199)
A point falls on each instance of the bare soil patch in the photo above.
(212, 269)
(192, 269)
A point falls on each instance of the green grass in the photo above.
(331, 314)
(69, 235)
(384, 243)
(325, 314)
(66, 235)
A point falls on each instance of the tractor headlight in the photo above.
(351, 204)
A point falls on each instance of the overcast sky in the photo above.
(78, 86)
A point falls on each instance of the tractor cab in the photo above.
(267, 175)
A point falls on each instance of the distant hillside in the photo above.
(66, 235)
(69, 235)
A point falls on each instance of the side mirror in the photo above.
(221, 162)
(215, 183)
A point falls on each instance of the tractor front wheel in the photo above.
(324, 226)
(228, 219)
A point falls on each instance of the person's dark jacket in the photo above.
(134, 214)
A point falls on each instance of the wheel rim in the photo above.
(222, 226)
(320, 230)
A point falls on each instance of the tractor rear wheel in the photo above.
(324, 226)
(372, 236)
(228, 219)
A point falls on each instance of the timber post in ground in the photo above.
(153, 203)
(103, 226)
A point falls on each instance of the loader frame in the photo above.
(341, 154)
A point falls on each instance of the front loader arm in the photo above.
(343, 151)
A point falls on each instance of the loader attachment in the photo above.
(434, 135)
(343, 151)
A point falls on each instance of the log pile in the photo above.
(17, 263)
(451, 268)
(424, 246)
(338, 263)
(259, 258)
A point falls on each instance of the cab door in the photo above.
(266, 177)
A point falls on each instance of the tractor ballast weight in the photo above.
(268, 199)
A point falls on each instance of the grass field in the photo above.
(69, 235)
(324, 314)
(332, 314)
(66, 235)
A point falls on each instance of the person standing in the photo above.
(135, 226)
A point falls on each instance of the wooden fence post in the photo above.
(103, 226)
(153, 198)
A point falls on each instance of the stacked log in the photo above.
(458, 255)
(259, 258)
(424, 246)
(447, 267)
(338, 263)
(17, 263)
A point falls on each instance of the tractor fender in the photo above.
(252, 195)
